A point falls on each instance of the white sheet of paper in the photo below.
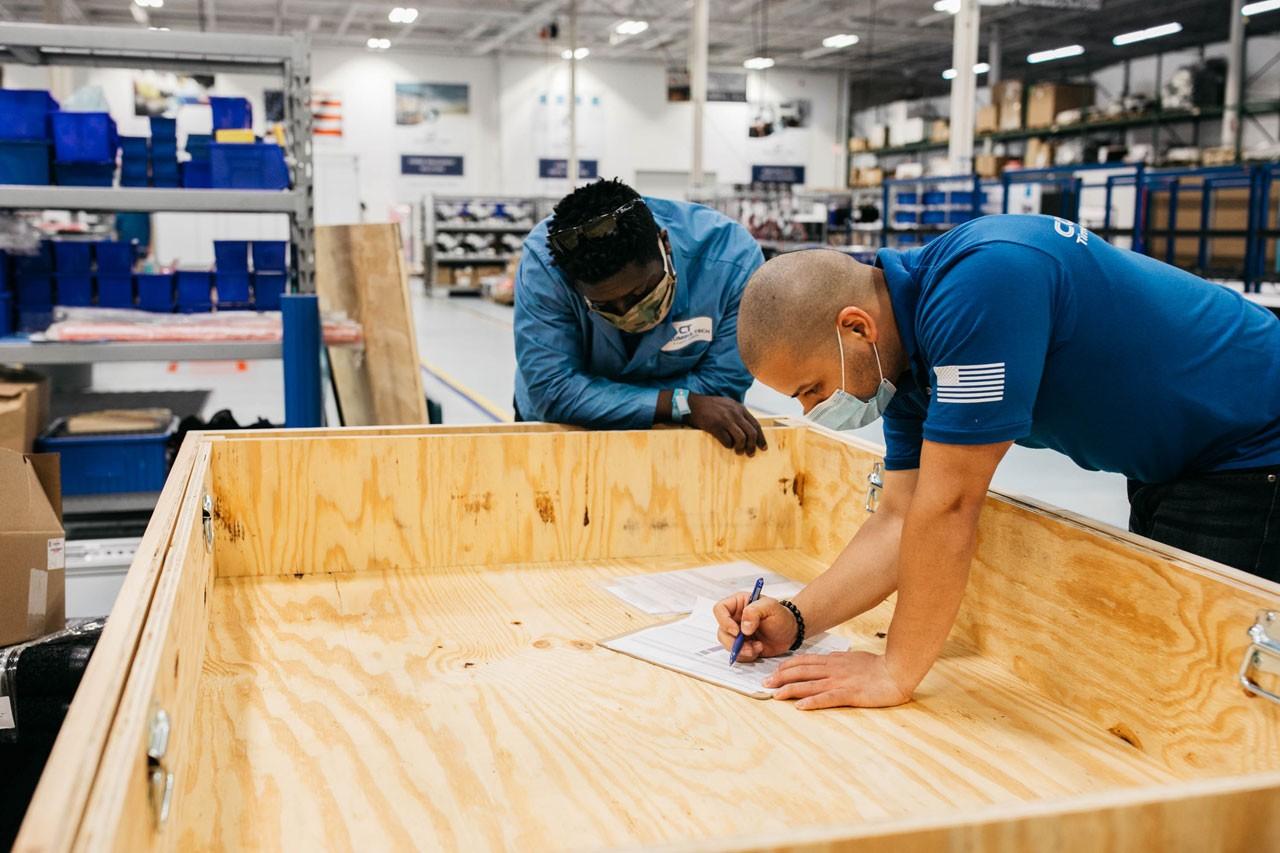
(675, 592)
(689, 646)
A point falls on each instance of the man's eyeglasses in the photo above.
(567, 240)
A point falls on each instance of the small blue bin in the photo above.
(164, 149)
(115, 291)
(267, 289)
(197, 175)
(933, 217)
(198, 145)
(963, 197)
(908, 198)
(231, 113)
(163, 128)
(233, 289)
(39, 261)
(957, 216)
(167, 169)
(84, 174)
(72, 256)
(24, 161)
(270, 255)
(935, 197)
(195, 291)
(35, 290)
(74, 289)
(904, 217)
(165, 181)
(231, 255)
(26, 113)
(35, 319)
(248, 166)
(115, 257)
(83, 138)
(135, 147)
(128, 179)
(155, 292)
(6, 314)
(109, 464)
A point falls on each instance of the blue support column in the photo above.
(303, 401)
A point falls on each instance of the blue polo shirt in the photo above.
(1033, 329)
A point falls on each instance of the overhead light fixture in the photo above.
(980, 68)
(1148, 33)
(580, 53)
(403, 15)
(631, 28)
(948, 6)
(1260, 7)
(158, 29)
(378, 44)
(758, 63)
(149, 4)
(1056, 53)
(840, 40)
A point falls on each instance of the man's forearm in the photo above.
(862, 576)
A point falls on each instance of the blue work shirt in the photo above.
(1033, 329)
(573, 366)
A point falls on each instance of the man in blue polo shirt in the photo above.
(1023, 329)
(626, 312)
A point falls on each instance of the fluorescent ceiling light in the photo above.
(1260, 7)
(980, 68)
(758, 63)
(403, 15)
(951, 7)
(580, 53)
(840, 40)
(1148, 33)
(631, 28)
(150, 4)
(378, 44)
(158, 29)
(1057, 53)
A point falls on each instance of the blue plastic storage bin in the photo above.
(904, 217)
(270, 255)
(197, 175)
(34, 290)
(155, 292)
(165, 181)
(114, 257)
(933, 217)
(267, 289)
(4, 271)
(248, 166)
(83, 138)
(198, 145)
(24, 161)
(908, 198)
(935, 197)
(962, 197)
(26, 113)
(231, 113)
(164, 149)
(115, 290)
(35, 319)
(6, 314)
(128, 179)
(74, 289)
(134, 147)
(109, 464)
(72, 256)
(233, 289)
(84, 174)
(163, 128)
(39, 261)
(195, 291)
(231, 255)
(957, 216)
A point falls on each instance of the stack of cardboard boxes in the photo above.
(1047, 100)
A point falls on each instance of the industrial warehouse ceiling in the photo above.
(902, 47)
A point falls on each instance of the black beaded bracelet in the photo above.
(795, 611)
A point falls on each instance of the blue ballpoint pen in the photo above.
(737, 642)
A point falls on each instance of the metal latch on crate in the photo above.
(206, 515)
(159, 777)
(1263, 654)
(875, 482)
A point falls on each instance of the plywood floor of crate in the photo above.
(472, 709)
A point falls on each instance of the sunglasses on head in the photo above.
(567, 240)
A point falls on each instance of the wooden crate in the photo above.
(388, 642)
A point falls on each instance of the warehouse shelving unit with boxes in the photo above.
(469, 237)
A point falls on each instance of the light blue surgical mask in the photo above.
(843, 411)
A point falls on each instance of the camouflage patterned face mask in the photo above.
(652, 308)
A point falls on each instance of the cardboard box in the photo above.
(24, 408)
(940, 130)
(988, 120)
(858, 144)
(1228, 211)
(1223, 156)
(866, 177)
(445, 275)
(1046, 100)
(32, 547)
(1039, 154)
(989, 165)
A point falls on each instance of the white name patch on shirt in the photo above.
(970, 383)
(687, 332)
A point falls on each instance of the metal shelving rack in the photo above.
(433, 260)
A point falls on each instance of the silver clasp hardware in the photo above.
(1263, 653)
(159, 778)
(875, 482)
(206, 516)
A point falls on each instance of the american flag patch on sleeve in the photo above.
(970, 383)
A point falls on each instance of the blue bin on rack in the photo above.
(24, 161)
(4, 271)
(165, 174)
(39, 261)
(270, 255)
(233, 290)
(164, 149)
(935, 197)
(231, 113)
(963, 197)
(155, 292)
(134, 179)
(34, 290)
(6, 314)
(72, 256)
(195, 291)
(115, 290)
(196, 175)
(904, 217)
(83, 138)
(34, 319)
(267, 289)
(908, 198)
(74, 289)
(955, 217)
(109, 464)
(198, 145)
(135, 147)
(84, 174)
(248, 166)
(26, 113)
(114, 257)
(933, 217)
(163, 128)
(231, 255)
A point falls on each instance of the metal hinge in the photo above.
(875, 482)
(159, 777)
(1263, 653)
(206, 515)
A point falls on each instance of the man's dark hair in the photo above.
(592, 261)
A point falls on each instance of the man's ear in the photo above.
(855, 320)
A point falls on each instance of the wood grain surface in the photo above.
(470, 709)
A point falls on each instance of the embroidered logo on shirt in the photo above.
(687, 332)
(970, 383)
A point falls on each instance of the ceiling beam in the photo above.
(538, 14)
(345, 23)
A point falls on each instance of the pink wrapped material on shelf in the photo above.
(99, 325)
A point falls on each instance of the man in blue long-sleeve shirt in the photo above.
(626, 316)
